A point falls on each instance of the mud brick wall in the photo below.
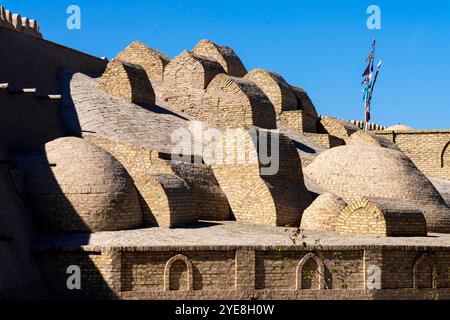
(96, 270)
(381, 217)
(94, 193)
(235, 102)
(212, 270)
(275, 88)
(186, 78)
(244, 273)
(339, 128)
(304, 102)
(325, 140)
(150, 59)
(127, 81)
(277, 198)
(429, 149)
(227, 58)
(166, 199)
(35, 63)
(15, 21)
(300, 121)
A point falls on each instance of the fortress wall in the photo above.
(35, 63)
(14, 21)
(28, 123)
(270, 273)
(428, 149)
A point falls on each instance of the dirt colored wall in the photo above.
(428, 149)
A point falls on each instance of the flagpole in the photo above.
(369, 84)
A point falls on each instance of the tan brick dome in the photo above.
(323, 213)
(370, 171)
(76, 187)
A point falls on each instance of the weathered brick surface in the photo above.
(339, 128)
(227, 58)
(276, 88)
(429, 149)
(75, 186)
(128, 82)
(323, 213)
(235, 102)
(277, 198)
(299, 120)
(362, 170)
(381, 217)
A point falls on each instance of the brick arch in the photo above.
(444, 155)
(302, 264)
(421, 259)
(168, 269)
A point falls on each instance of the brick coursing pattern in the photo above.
(236, 102)
(338, 128)
(276, 89)
(128, 82)
(363, 170)
(300, 121)
(323, 213)
(381, 217)
(304, 102)
(226, 56)
(277, 199)
(365, 137)
(186, 78)
(428, 149)
(75, 186)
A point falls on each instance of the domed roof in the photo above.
(370, 171)
(323, 213)
(77, 186)
(399, 127)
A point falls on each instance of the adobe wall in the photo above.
(249, 272)
(35, 63)
(428, 149)
(32, 119)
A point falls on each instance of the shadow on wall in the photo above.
(52, 213)
(71, 125)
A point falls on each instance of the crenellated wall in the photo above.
(15, 21)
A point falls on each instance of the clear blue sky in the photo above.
(319, 45)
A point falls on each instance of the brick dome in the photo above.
(77, 187)
(323, 213)
(369, 171)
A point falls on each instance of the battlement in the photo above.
(15, 21)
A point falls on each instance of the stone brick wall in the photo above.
(429, 149)
(127, 81)
(270, 273)
(227, 58)
(325, 140)
(14, 21)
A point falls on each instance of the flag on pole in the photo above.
(369, 83)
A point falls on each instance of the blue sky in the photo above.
(319, 45)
